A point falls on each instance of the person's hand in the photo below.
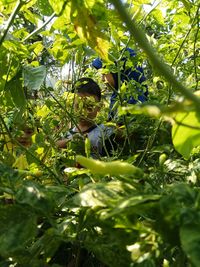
(62, 143)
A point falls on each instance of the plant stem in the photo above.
(150, 142)
(161, 66)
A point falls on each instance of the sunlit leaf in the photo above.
(34, 77)
(45, 7)
(57, 5)
(87, 29)
(186, 132)
(43, 111)
(21, 163)
(101, 194)
(157, 14)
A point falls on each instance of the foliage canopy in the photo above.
(55, 214)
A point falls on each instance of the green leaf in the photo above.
(14, 86)
(34, 77)
(3, 71)
(88, 30)
(190, 240)
(135, 204)
(44, 7)
(187, 4)
(102, 194)
(17, 227)
(157, 14)
(57, 5)
(36, 196)
(60, 49)
(186, 132)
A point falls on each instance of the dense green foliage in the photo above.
(54, 214)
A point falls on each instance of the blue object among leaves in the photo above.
(135, 73)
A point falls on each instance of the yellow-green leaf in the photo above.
(186, 132)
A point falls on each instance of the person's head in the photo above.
(88, 96)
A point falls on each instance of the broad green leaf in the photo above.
(57, 5)
(190, 241)
(16, 48)
(34, 77)
(186, 132)
(157, 14)
(3, 71)
(60, 49)
(43, 111)
(44, 7)
(14, 86)
(40, 198)
(7, 6)
(88, 30)
(135, 204)
(11, 55)
(21, 163)
(37, 48)
(36, 196)
(60, 23)
(187, 4)
(32, 17)
(17, 228)
(101, 194)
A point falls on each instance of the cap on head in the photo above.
(97, 63)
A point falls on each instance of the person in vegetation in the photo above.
(87, 104)
(134, 74)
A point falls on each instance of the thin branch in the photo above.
(187, 125)
(161, 67)
(36, 31)
(19, 4)
(195, 41)
(153, 8)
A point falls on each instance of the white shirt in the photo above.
(97, 137)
